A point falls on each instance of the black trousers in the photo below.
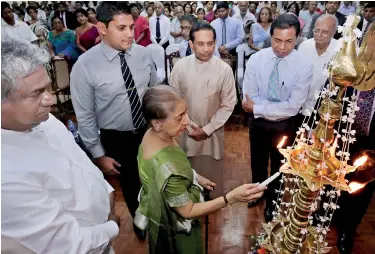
(353, 206)
(264, 138)
(165, 45)
(123, 146)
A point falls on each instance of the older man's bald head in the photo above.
(325, 28)
(243, 6)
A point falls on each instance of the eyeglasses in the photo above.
(318, 32)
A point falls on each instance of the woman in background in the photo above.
(150, 12)
(201, 14)
(171, 201)
(62, 42)
(38, 26)
(188, 9)
(167, 13)
(210, 12)
(87, 35)
(194, 8)
(92, 15)
(260, 31)
(141, 27)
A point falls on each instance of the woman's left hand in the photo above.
(205, 183)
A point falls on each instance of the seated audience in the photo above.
(92, 15)
(87, 35)
(62, 41)
(171, 201)
(260, 32)
(53, 198)
(141, 27)
(38, 26)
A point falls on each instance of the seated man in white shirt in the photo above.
(176, 32)
(160, 27)
(54, 199)
(14, 28)
(244, 14)
(319, 51)
(187, 23)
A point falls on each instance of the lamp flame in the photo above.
(333, 147)
(282, 142)
(354, 186)
(360, 161)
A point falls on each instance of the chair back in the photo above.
(172, 56)
(158, 57)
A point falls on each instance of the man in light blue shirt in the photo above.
(229, 31)
(276, 84)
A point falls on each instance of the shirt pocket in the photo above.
(141, 75)
(286, 88)
(211, 89)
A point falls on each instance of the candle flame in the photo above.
(333, 147)
(354, 186)
(360, 161)
(282, 142)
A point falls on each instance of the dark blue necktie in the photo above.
(158, 28)
(188, 50)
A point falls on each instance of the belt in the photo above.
(271, 121)
(129, 132)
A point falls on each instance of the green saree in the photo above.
(168, 181)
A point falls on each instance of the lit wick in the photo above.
(282, 142)
(360, 161)
(354, 186)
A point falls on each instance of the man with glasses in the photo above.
(319, 51)
(187, 22)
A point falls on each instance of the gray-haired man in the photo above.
(54, 199)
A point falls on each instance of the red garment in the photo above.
(140, 26)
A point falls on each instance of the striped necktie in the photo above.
(273, 84)
(135, 102)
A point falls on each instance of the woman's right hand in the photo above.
(246, 193)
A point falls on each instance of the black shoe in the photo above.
(141, 234)
(345, 243)
(268, 214)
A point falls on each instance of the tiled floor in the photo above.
(229, 229)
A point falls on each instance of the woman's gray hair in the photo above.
(19, 59)
(159, 102)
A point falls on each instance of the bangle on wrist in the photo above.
(226, 200)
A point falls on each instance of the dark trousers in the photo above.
(165, 45)
(264, 138)
(122, 146)
(353, 206)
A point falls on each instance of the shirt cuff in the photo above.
(97, 150)
(109, 187)
(209, 129)
(258, 110)
(112, 228)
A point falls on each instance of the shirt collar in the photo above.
(111, 53)
(16, 23)
(285, 59)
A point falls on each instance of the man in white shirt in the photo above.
(160, 27)
(54, 199)
(275, 86)
(244, 14)
(41, 14)
(319, 51)
(346, 8)
(176, 32)
(14, 28)
(307, 16)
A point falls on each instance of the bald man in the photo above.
(160, 27)
(319, 50)
(244, 14)
(176, 32)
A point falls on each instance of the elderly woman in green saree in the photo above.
(171, 196)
